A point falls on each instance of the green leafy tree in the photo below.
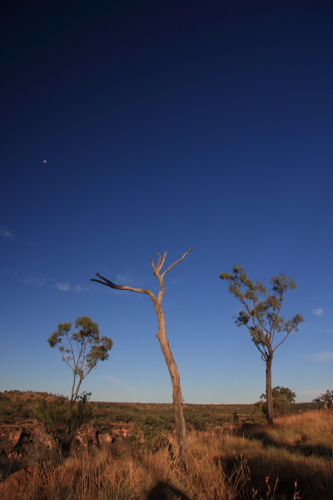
(81, 350)
(283, 397)
(263, 317)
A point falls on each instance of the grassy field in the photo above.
(290, 461)
(17, 406)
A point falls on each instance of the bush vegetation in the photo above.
(62, 419)
(18, 407)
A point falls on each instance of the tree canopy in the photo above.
(80, 350)
(262, 317)
(283, 397)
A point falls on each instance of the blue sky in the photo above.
(132, 128)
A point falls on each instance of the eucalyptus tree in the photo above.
(283, 398)
(164, 343)
(80, 350)
(263, 317)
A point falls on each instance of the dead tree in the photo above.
(177, 396)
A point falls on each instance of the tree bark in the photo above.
(269, 392)
(177, 396)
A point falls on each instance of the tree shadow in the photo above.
(301, 447)
(283, 470)
(165, 491)
(162, 490)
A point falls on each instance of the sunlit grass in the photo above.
(291, 460)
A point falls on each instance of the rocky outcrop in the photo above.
(18, 441)
(14, 440)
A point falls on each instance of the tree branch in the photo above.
(175, 263)
(72, 351)
(163, 261)
(109, 283)
(287, 335)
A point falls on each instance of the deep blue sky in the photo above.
(165, 125)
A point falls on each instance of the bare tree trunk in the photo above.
(269, 392)
(177, 395)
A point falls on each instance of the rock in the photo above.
(14, 487)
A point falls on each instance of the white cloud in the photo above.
(121, 278)
(67, 287)
(4, 233)
(64, 287)
(127, 279)
(120, 382)
(79, 288)
(322, 356)
(318, 312)
(34, 281)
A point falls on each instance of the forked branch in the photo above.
(106, 282)
(175, 263)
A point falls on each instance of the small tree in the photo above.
(82, 350)
(165, 345)
(262, 317)
(283, 397)
(326, 396)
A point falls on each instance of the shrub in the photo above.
(151, 433)
(62, 419)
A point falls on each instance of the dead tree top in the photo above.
(157, 268)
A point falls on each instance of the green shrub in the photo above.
(62, 418)
(151, 433)
(196, 423)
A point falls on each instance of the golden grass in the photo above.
(291, 460)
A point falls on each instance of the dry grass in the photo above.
(290, 461)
